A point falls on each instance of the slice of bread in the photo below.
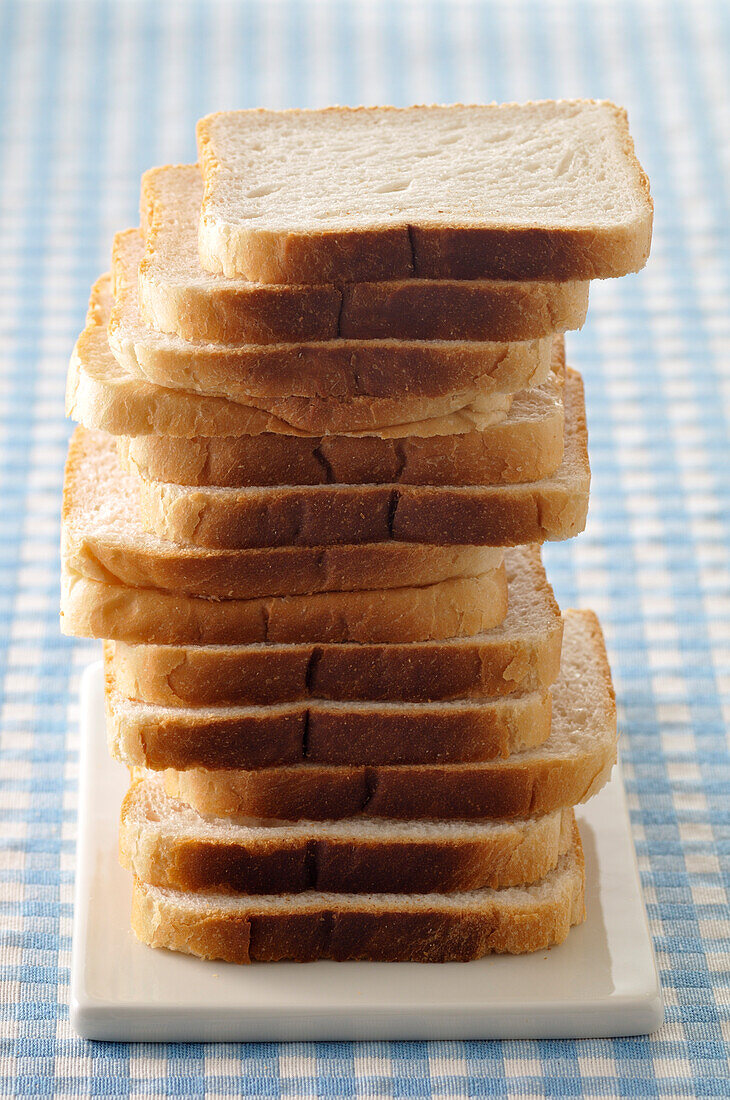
(165, 843)
(103, 539)
(498, 515)
(178, 296)
(525, 445)
(338, 370)
(573, 764)
(101, 393)
(545, 190)
(320, 731)
(191, 438)
(426, 927)
(521, 654)
(456, 608)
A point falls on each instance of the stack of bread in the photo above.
(326, 423)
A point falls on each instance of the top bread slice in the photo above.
(178, 296)
(543, 190)
(334, 370)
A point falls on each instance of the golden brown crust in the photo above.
(384, 254)
(506, 452)
(460, 608)
(506, 789)
(415, 309)
(530, 253)
(98, 549)
(279, 376)
(281, 864)
(527, 658)
(510, 450)
(419, 672)
(322, 732)
(461, 309)
(523, 785)
(228, 575)
(503, 515)
(477, 517)
(412, 309)
(485, 515)
(436, 933)
(102, 395)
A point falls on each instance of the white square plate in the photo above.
(601, 982)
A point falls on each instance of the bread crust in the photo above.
(469, 792)
(102, 395)
(461, 309)
(460, 607)
(388, 253)
(410, 309)
(115, 547)
(411, 671)
(250, 574)
(317, 731)
(427, 250)
(504, 453)
(316, 515)
(360, 928)
(515, 449)
(340, 369)
(237, 311)
(308, 858)
(556, 775)
(516, 656)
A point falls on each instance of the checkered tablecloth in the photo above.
(93, 93)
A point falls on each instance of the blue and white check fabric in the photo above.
(92, 93)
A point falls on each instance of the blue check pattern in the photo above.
(92, 93)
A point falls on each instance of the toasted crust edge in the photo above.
(485, 515)
(319, 731)
(506, 789)
(413, 309)
(458, 608)
(104, 554)
(488, 665)
(282, 865)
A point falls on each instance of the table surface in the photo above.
(93, 93)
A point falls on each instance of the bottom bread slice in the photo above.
(379, 927)
(166, 843)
